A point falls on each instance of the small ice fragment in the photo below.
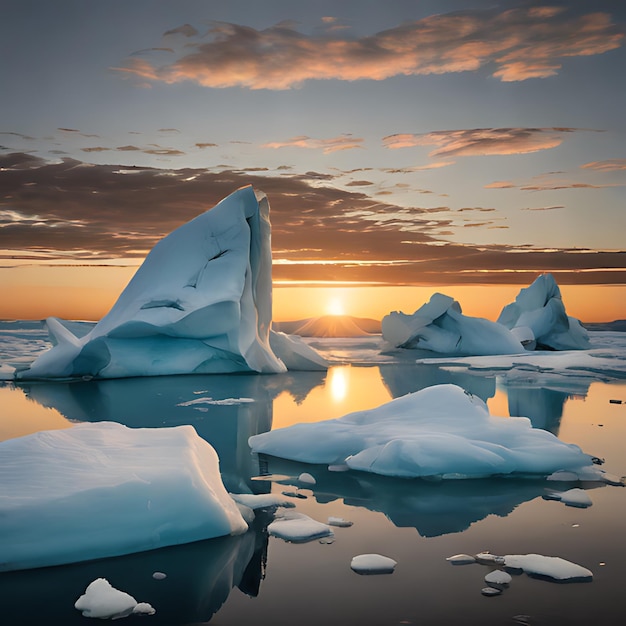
(103, 601)
(549, 566)
(612, 479)
(487, 557)
(601, 563)
(373, 564)
(575, 525)
(260, 500)
(339, 521)
(461, 559)
(327, 540)
(564, 476)
(576, 497)
(338, 468)
(298, 528)
(615, 401)
(143, 608)
(159, 575)
(498, 577)
(306, 478)
(490, 591)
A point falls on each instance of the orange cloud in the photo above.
(610, 165)
(481, 141)
(334, 144)
(522, 43)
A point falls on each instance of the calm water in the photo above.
(259, 579)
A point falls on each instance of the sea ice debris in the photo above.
(102, 600)
(461, 559)
(373, 564)
(550, 566)
(261, 500)
(576, 497)
(298, 528)
(498, 577)
(339, 522)
(306, 479)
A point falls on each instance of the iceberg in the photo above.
(200, 303)
(441, 431)
(99, 490)
(538, 318)
(440, 326)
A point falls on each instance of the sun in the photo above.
(335, 307)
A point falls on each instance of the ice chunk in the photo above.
(461, 559)
(438, 431)
(306, 479)
(103, 601)
(261, 500)
(373, 564)
(201, 302)
(490, 591)
(498, 577)
(538, 317)
(298, 528)
(575, 497)
(159, 576)
(98, 490)
(440, 326)
(339, 522)
(550, 566)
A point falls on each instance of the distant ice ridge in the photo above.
(99, 490)
(440, 431)
(200, 303)
(536, 320)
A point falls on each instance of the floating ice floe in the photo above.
(373, 564)
(549, 566)
(260, 500)
(99, 490)
(538, 318)
(461, 559)
(339, 522)
(103, 601)
(498, 577)
(440, 326)
(440, 431)
(306, 479)
(573, 497)
(200, 303)
(298, 528)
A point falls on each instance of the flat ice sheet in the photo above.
(97, 490)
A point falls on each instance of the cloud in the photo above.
(610, 165)
(481, 141)
(514, 44)
(203, 145)
(334, 144)
(70, 209)
(544, 208)
(551, 181)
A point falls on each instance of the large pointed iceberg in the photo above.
(200, 303)
(99, 490)
(440, 326)
(538, 318)
(440, 431)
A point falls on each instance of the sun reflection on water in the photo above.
(338, 384)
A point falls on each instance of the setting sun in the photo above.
(335, 307)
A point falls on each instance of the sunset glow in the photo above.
(515, 165)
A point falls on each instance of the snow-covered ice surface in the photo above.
(373, 564)
(440, 431)
(440, 326)
(548, 566)
(98, 490)
(538, 318)
(298, 527)
(200, 302)
(101, 600)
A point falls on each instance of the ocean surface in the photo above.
(257, 579)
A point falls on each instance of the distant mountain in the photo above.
(615, 326)
(330, 326)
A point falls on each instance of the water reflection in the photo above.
(200, 577)
(433, 508)
(225, 410)
(542, 403)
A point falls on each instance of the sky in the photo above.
(400, 143)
